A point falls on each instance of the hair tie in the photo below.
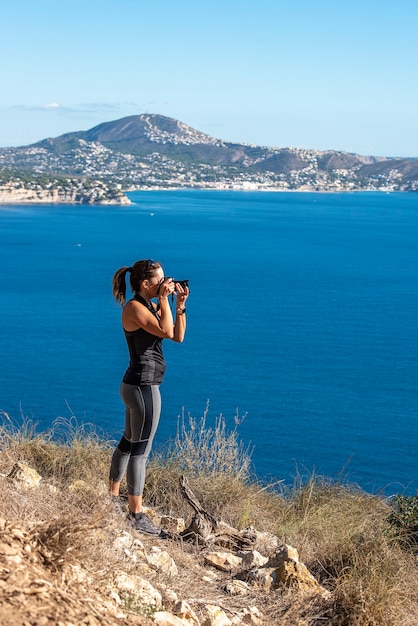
(129, 269)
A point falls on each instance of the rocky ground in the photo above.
(74, 570)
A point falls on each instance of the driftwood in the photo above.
(205, 530)
(203, 524)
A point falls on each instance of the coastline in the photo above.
(12, 196)
(29, 197)
(265, 190)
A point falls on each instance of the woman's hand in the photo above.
(166, 288)
(182, 293)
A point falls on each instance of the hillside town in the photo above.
(147, 152)
(157, 171)
(35, 189)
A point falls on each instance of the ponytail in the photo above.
(119, 284)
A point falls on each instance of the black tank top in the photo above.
(146, 360)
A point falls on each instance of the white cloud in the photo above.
(80, 108)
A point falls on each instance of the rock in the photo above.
(126, 540)
(172, 524)
(139, 587)
(162, 561)
(183, 610)
(215, 616)
(266, 578)
(170, 598)
(225, 561)
(263, 542)
(164, 618)
(25, 475)
(284, 568)
(252, 559)
(236, 588)
(166, 522)
(210, 576)
(11, 554)
(292, 572)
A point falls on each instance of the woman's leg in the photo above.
(144, 404)
(118, 465)
(120, 457)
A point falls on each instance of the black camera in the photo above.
(182, 283)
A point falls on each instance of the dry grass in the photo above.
(342, 534)
(67, 452)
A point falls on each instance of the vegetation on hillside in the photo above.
(360, 547)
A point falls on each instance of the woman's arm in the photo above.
(180, 323)
(166, 317)
(135, 315)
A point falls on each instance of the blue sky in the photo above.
(325, 75)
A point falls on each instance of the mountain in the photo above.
(155, 150)
(142, 135)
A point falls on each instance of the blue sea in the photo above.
(302, 318)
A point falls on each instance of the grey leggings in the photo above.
(143, 408)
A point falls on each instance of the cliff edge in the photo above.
(71, 191)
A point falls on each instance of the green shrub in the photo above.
(404, 520)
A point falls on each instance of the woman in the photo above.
(145, 325)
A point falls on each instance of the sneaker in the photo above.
(143, 524)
